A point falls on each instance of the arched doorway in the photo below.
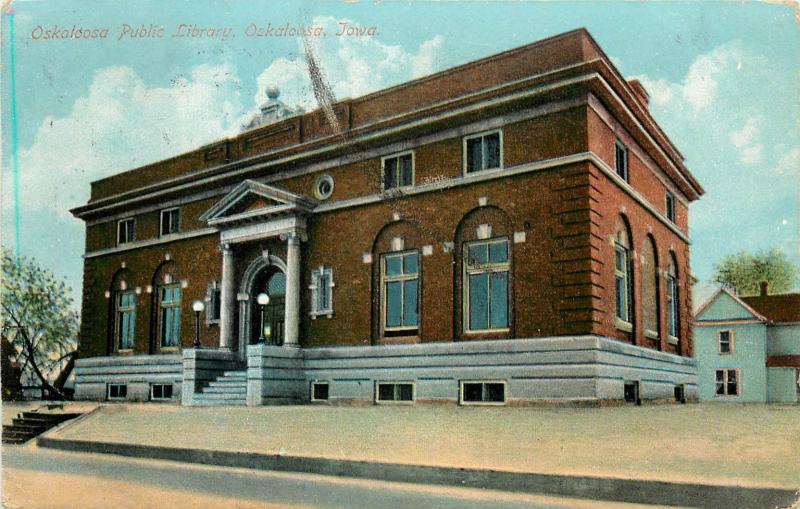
(268, 326)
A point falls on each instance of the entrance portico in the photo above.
(255, 212)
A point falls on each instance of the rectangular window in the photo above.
(170, 307)
(322, 291)
(483, 152)
(394, 392)
(320, 391)
(486, 393)
(126, 230)
(400, 288)
(398, 170)
(126, 319)
(670, 206)
(160, 392)
(622, 282)
(726, 341)
(170, 221)
(621, 160)
(727, 382)
(213, 302)
(117, 391)
(486, 285)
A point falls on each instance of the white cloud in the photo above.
(789, 163)
(700, 87)
(747, 141)
(121, 123)
(354, 66)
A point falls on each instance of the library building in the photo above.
(511, 231)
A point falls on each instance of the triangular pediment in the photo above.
(726, 306)
(253, 200)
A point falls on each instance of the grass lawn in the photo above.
(714, 443)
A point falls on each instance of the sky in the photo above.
(722, 78)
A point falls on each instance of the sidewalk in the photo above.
(752, 446)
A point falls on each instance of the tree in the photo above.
(745, 271)
(40, 322)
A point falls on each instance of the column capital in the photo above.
(294, 237)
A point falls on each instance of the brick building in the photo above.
(510, 230)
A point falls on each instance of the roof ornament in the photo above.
(273, 110)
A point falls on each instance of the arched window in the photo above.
(484, 250)
(168, 290)
(123, 323)
(623, 280)
(673, 314)
(650, 307)
(486, 267)
(397, 251)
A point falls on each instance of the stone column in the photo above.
(227, 300)
(292, 317)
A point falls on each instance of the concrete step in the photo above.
(222, 395)
(29, 424)
(231, 374)
(15, 440)
(223, 382)
(202, 401)
(224, 390)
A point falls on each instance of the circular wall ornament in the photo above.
(323, 188)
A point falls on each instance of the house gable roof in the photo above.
(726, 306)
(253, 200)
(781, 308)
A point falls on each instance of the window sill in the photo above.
(623, 325)
(487, 331)
(316, 314)
(399, 340)
(394, 402)
(482, 403)
(650, 334)
(672, 340)
(468, 173)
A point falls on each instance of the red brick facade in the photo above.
(561, 107)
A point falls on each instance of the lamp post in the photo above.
(198, 307)
(262, 299)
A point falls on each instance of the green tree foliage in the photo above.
(39, 321)
(745, 271)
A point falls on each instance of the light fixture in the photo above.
(262, 299)
(198, 307)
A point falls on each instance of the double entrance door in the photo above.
(269, 320)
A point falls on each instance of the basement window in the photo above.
(320, 391)
(632, 393)
(680, 394)
(483, 393)
(394, 392)
(117, 391)
(160, 392)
